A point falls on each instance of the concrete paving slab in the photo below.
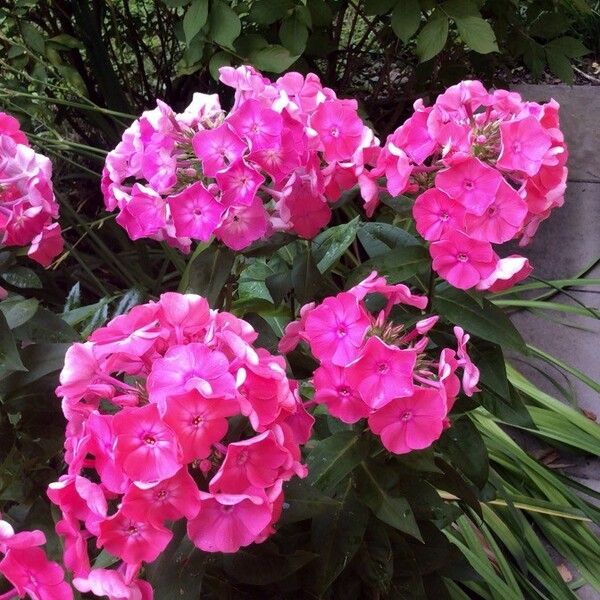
(580, 121)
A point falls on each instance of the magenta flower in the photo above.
(411, 423)
(435, 214)
(470, 182)
(104, 582)
(198, 422)
(239, 183)
(243, 225)
(382, 372)
(524, 145)
(463, 261)
(133, 540)
(306, 211)
(226, 522)
(259, 125)
(144, 215)
(217, 148)
(339, 128)
(195, 212)
(145, 448)
(342, 400)
(335, 329)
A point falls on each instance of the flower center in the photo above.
(150, 440)
(516, 147)
(242, 457)
(406, 415)
(161, 494)
(197, 211)
(468, 184)
(462, 257)
(383, 368)
(344, 390)
(341, 331)
(334, 132)
(197, 420)
(492, 211)
(444, 216)
(132, 530)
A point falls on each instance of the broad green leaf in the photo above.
(308, 282)
(559, 64)
(293, 34)
(9, 355)
(320, 13)
(331, 244)
(379, 238)
(397, 265)
(251, 283)
(195, 19)
(378, 7)
(463, 445)
(66, 40)
(376, 556)
(406, 19)
(209, 271)
(303, 501)
(335, 457)
(225, 25)
(22, 277)
(393, 510)
(218, 60)
(550, 25)
(32, 37)
(477, 34)
(257, 565)
(457, 9)
(336, 535)
(176, 3)
(45, 327)
(250, 42)
(485, 321)
(274, 59)
(265, 12)
(73, 298)
(17, 311)
(432, 38)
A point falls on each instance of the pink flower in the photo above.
(46, 245)
(412, 423)
(226, 522)
(11, 127)
(195, 212)
(435, 214)
(258, 462)
(342, 400)
(131, 540)
(32, 573)
(501, 220)
(524, 144)
(509, 271)
(144, 215)
(470, 182)
(259, 125)
(243, 225)
(104, 582)
(217, 148)
(281, 160)
(145, 448)
(239, 183)
(339, 128)
(461, 260)
(413, 137)
(191, 367)
(335, 330)
(293, 331)
(382, 372)
(169, 500)
(198, 422)
(304, 209)
(470, 377)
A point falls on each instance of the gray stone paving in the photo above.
(567, 243)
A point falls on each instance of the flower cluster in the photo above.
(274, 162)
(27, 568)
(27, 203)
(172, 413)
(372, 368)
(487, 168)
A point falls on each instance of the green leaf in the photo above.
(432, 38)
(337, 535)
(550, 25)
(486, 321)
(176, 3)
(32, 37)
(308, 282)
(477, 34)
(320, 12)
(22, 277)
(463, 445)
(406, 19)
(17, 311)
(45, 327)
(249, 43)
(334, 457)
(218, 60)
(73, 298)
(274, 59)
(209, 272)
(331, 244)
(225, 25)
(560, 65)
(293, 34)
(397, 265)
(395, 511)
(265, 12)
(569, 46)
(66, 40)
(195, 19)
(457, 9)
(256, 565)
(9, 355)
(303, 501)
(379, 238)
(378, 7)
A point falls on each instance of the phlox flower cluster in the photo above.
(275, 162)
(172, 414)
(486, 168)
(27, 568)
(27, 204)
(371, 368)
